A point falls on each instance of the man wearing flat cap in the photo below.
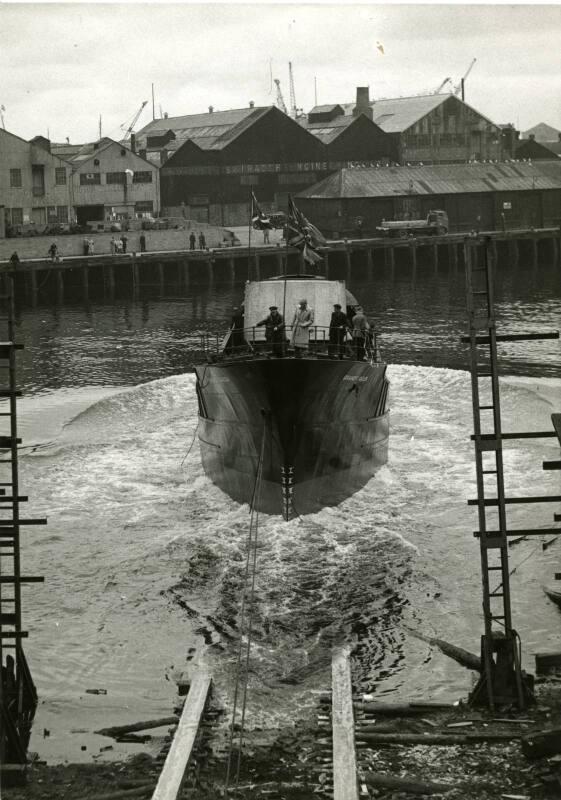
(338, 327)
(274, 332)
(300, 337)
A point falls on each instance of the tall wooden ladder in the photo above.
(18, 697)
(502, 681)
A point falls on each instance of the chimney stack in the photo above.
(251, 104)
(363, 102)
(532, 136)
(133, 142)
(210, 109)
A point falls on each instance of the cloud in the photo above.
(69, 63)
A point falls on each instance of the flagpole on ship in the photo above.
(285, 230)
(250, 225)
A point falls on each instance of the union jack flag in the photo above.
(303, 235)
(259, 220)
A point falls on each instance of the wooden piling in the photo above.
(369, 265)
(453, 256)
(513, 252)
(434, 257)
(173, 773)
(186, 273)
(348, 263)
(85, 284)
(389, 255)
(232, 266)
(161, 277)
(345, 784)
(534, 242)
(59, 287)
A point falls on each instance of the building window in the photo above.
(17, 216)
(142, 177)
(62, 213)
(90, 178)
(60, 176)
(15, 181)
(115, 177)
(51, 214)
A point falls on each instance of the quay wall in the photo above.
(28, 247)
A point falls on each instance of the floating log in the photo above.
(445, 739)
(402, 709)
(121, 730)
(545, 743)
(407, 784)
(463, 657)
(139, 791)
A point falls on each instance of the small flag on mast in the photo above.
(303, 235)
(259, 220)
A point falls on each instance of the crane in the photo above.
(280, 99)
(130, 128)
(293, 109)
(442, 85)
(459, 88)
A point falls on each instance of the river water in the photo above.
(144, 557)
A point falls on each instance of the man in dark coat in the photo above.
(337, 330)
(192, 241)
(274, 331)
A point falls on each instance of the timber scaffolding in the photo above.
(345, 258)
(18, 697)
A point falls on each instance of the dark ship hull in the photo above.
(292, 435)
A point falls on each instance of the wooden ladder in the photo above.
(502, 679)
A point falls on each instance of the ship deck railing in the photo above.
(251, 343)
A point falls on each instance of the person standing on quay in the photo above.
(124, 241)
(202, 241)
(192, 241)
(142, 243)
(53, 250)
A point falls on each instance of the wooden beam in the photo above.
(345, 784)
(173, 773)
(556, 419)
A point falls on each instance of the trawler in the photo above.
(290, 430)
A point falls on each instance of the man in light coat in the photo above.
(300, 336)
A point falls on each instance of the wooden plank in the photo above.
(173, 773)
(345, 784)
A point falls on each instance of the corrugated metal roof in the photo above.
(327, 131)
(397, 114)
(210, 131)
(438, 179)
(326, 109)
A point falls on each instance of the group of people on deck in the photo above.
(340, 324)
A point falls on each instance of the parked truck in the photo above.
(436, 224)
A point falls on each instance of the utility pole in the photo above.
(153, 104)
(100, 126)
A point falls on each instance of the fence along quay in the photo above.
(341, 258)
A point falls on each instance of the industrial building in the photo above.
(34, 184)
(109, 181)
(434, 128)
(211, 162)
(475, 196)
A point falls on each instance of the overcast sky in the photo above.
(62, 65)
